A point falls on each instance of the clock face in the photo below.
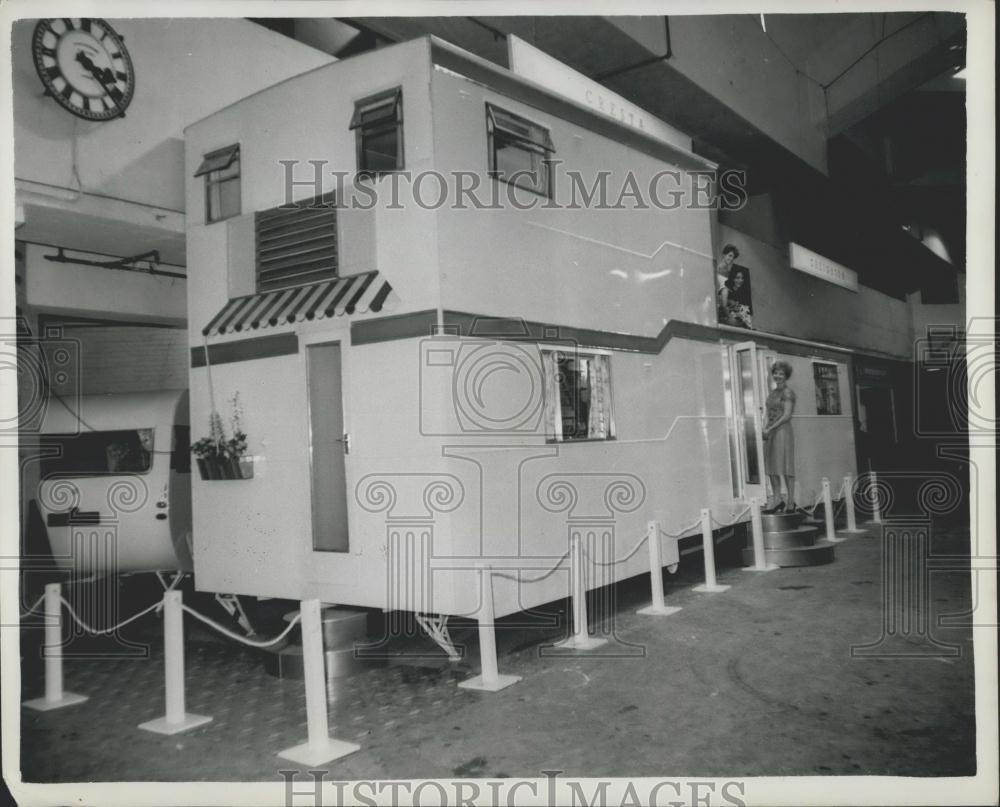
(84, 65)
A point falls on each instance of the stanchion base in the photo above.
(836, 539)
(704, 588)
(659, 610)
(163, 726)
(580, 643)
(67, 699)
(768, 568)
(477, 682)
(853, 532)
(309, 754)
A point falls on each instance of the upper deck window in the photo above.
(378, 132)
(520, 151)
(221, 169)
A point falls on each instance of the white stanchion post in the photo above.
(490, 679)
(760, 563)
(831, 533)
(581, 638)
(876, 510)
(710, 585)
(176, 718)
(319, 746)
(55, 697)
(657, 606)
(852, 521)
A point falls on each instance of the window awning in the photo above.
(270, 309)
(217, 160)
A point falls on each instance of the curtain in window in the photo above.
(601, 424)
(553, 408)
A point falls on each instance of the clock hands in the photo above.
(103, 76)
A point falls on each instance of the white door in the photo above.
(748, 392)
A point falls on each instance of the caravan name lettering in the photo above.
(597, 101)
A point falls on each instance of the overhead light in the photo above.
(763, 25)
(959, 73)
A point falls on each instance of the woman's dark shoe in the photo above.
(780, 508)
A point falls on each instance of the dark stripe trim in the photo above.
(510, 85)
(423, 323)
(362, 288)
(388, 329)
(332, 306)
(379, 298)
(216, 319)
(259, 347)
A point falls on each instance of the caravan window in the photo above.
(577, 396)
(221, 169)
(520, 151)
(129, 451)
(378, 132)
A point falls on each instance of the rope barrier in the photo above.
(518, 579)
(680, 534)
(737, 517)
(69, 608)
(33, 608)
(249, 642)
(635, 549)
(692, 549)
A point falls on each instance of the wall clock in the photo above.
(85, 66)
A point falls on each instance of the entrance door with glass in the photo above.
(748, 372)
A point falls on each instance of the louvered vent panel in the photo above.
(296, 245)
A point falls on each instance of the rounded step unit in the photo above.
(816, 555)
(779, 522)
(791, 538)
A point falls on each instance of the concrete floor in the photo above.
(756, 681)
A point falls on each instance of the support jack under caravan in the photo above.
(436, 626)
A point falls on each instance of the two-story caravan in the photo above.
(427, 382)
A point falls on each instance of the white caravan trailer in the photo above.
(426, 385)
(115, 488)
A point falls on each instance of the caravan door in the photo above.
(747, 367)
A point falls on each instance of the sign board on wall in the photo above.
(827, 380)
(816, 265)
(537, 66)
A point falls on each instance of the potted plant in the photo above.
(222, 457)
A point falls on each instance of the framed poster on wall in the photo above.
(827, 388)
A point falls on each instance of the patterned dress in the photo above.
(779, 449)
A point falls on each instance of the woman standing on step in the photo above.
(779, 449)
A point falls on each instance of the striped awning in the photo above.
(329, 298)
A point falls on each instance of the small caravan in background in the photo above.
(115, 488)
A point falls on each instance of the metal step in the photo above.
(816, 555)
(342, 628)
(288, 663)
(779, 522)
(796, 536)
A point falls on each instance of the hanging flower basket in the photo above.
(221, 457)
(221, 467)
